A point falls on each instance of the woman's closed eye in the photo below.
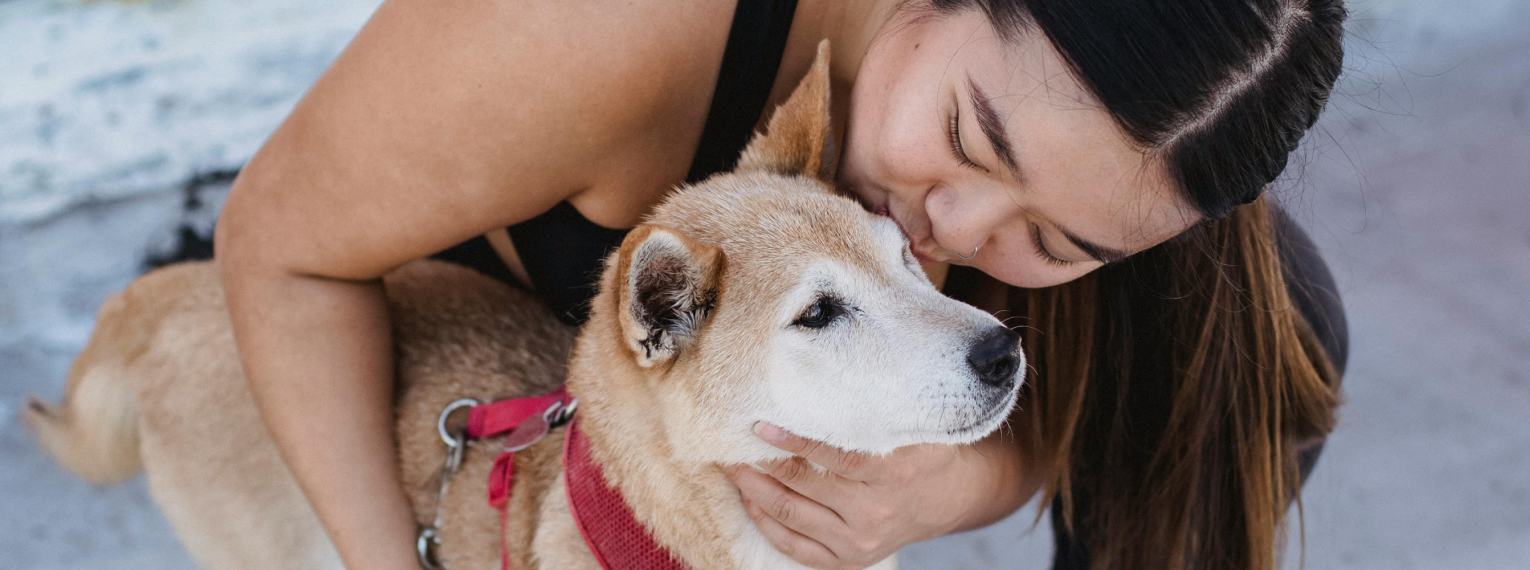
(1041, 249)
(953, 130)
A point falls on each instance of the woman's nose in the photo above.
(962, 220)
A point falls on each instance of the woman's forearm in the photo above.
(1004, 477)
(318, 357)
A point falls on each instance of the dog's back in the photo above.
(159, 388)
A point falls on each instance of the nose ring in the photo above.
(974, 253)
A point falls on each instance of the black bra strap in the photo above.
(749, 66)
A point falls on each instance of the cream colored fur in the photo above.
(691, 341)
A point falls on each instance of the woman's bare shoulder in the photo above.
(445, 119)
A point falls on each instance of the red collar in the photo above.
(613, 535)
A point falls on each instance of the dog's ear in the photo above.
(798, 140)
(668, 284)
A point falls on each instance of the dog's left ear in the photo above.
(798, 140)
(668, 284)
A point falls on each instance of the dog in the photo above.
(756, 295)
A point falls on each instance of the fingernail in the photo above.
(769, 432)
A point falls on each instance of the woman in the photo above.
(1094, 168)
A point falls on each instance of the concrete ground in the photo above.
(1416, 186)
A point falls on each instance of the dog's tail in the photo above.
(94, 432)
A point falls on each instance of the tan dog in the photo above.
(758, 295)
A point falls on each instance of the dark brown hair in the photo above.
(1171, 395)
(1173, 391)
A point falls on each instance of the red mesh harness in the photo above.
(614, 536)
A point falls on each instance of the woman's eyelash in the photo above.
(1042, 250)
(956, 144)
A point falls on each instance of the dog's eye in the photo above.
(819, 314)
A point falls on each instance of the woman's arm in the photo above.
(441, 120)
(319, 359)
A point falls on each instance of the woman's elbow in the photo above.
(233, 240)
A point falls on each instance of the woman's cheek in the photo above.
(912, 136)
(909, 157)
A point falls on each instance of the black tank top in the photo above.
(563, 251)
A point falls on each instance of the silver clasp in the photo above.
(456, 444)
(560, 414)
(426, 545)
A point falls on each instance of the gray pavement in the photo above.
(1416, 187)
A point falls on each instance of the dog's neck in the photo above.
(687, 504)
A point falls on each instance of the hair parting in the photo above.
(1239, 82)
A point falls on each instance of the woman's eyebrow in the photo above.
(1099, 252)
(993, 128)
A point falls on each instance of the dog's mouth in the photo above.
(989, 420)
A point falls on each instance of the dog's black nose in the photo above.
(996, 357)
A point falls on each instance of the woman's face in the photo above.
(973, 143)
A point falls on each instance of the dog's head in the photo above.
(761, 295)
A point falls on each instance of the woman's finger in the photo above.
(784, 505)
(853, 466)
(823, 487)
(791, 543)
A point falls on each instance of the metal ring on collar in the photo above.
(451, 440)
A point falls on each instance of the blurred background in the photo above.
(121, 124)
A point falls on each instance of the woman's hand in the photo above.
(864, 508)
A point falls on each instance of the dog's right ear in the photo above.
(798, 141)
(668, 286)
